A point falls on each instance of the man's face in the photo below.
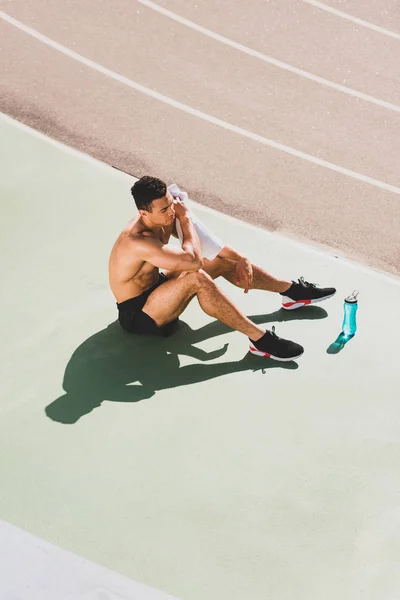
(163, 212)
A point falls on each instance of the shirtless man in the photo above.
(149, 301)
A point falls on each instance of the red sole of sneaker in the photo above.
(294, 304)
(256, 352)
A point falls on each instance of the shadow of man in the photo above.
(116, 366)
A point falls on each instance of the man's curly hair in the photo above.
(146, 189)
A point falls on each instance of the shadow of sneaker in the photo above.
(308, 313)
(258, 363)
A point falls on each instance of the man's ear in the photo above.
(143, 213)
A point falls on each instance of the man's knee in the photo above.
(200, 279)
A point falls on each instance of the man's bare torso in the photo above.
(130, 275)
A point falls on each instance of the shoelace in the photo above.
(272, 332)
(305, 283)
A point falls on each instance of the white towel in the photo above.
(211, 245)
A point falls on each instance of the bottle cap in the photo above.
(352, 298)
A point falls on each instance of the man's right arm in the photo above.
(190, 243)
(161, 256)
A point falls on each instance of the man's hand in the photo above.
(244, 273)
(181, 210)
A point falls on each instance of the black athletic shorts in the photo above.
(134, 320)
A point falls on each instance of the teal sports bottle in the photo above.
(349, 326)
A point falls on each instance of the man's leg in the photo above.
(294, 294)
(170, 299)
(262, 280)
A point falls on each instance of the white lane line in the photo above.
(266, 58)
(344, 15)
(32, 568)
(332, 255)
(197, 113)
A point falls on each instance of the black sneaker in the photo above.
(302, 293)
(272, 346)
